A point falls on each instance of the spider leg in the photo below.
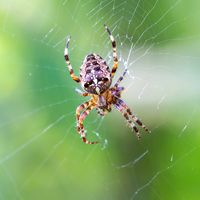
(114, 68)
(135, 119)
(121, 109)
(120, 78)
(84, 94)
(71, 71)
(138, 121)
(78, 111)
(81, 127)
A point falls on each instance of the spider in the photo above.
(96, 78)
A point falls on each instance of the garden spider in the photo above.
(96, 78)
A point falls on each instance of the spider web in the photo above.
(42, 156)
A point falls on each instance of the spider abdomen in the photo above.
(95, 74)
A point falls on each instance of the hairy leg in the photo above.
(114, 68)
(128, 111)
(120, 78)
(79, 109)
(121, 109)
(71, 71)
(81, 127)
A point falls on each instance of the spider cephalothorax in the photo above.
(95, 74)
(96, 79)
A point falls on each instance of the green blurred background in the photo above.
(41, 154)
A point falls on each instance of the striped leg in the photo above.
(121, 109)
(84, 94)
(81, 127)
(71, 71)
(114, 51)
(135, 119)
(78, 111)
(120, 78)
